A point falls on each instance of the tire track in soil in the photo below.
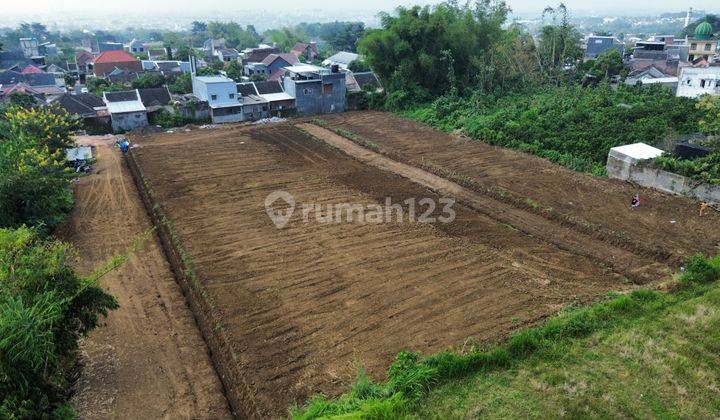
(638, 268)
(148, 360)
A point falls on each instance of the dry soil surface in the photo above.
(149, 360)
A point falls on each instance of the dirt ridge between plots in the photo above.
(239, 394)
(637, 267)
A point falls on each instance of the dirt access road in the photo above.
(149, 360)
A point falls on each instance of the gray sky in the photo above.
(159, 6)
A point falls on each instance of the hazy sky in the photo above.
(155, 6)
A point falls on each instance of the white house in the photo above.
(126, 110)
(341, 59)
(696, 81)
(221, 94)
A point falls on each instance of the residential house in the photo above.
(257, 55)
(221, 94)
(126, 110)
(15, 60)
(696, 81)
(276, 63)
(110, 46)
(279, 103)
(155, 99)
(135, 47)
(316, 90)
(210, 45)
(49, 49)
(254, 69)
(156, 53)
(166, 67)
(83, 60)
(362, 82)
(108, 61)
(34, 82)
(30, 47)
(703, 45)
(89, 108)
(42, 94)
(341, 59)
(121, 76)
(597, 45)
(227, 55)
(305, 52)
(652, 75)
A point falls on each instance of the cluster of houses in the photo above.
(689, 66)
(274, 83)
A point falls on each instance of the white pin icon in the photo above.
(279, 217)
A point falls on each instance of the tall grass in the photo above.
(410, 377)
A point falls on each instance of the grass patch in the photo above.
(451, 384)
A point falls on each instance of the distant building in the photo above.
(49, 49)
(156, 53)
(362, 82)
(30, 47)
(305, 52)
(696, 81)
(227, 55)
(257, 55)
(135, 47)
(650, 76)
(126, 110)
(210, 45)
(341, 59)
(597, 45)
(703, 45)
(108, 61)
(110, 46)
(316, 90)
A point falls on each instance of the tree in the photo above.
(234, 70)
(346, 37)
(559, 43)
(45, 308)
(182, 84)
(357, 66)
(23, 100)
(608, 63)
(709, 107)
(198, 27)
(418, 51)
(148, 80)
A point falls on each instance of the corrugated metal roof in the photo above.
(127, 106)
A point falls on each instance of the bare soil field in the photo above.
(306, 304)
(148, 360)
(663, 223)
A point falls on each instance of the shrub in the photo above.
(44, 309)
(700, 269)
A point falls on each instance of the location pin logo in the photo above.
(279, 217)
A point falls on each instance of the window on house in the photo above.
(306, 91)
(231, 95)
(265, 108)
(328, 88)
(702, 83)
(213, 97)
(707, 47)
(693, 46)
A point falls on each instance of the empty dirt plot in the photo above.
(668, 225)
(304, 305)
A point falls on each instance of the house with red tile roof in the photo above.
(31, 69)
(304, 51)
(108, 61)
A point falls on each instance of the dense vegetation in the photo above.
(44, 306)
(412, 378)
(571, 125)
(35, 184)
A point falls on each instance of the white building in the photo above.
(341, 59)
(126, 110)
(696, 81)
(221, 94)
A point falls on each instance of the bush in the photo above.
(44, 309)
(700, 269)
(34, 182)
